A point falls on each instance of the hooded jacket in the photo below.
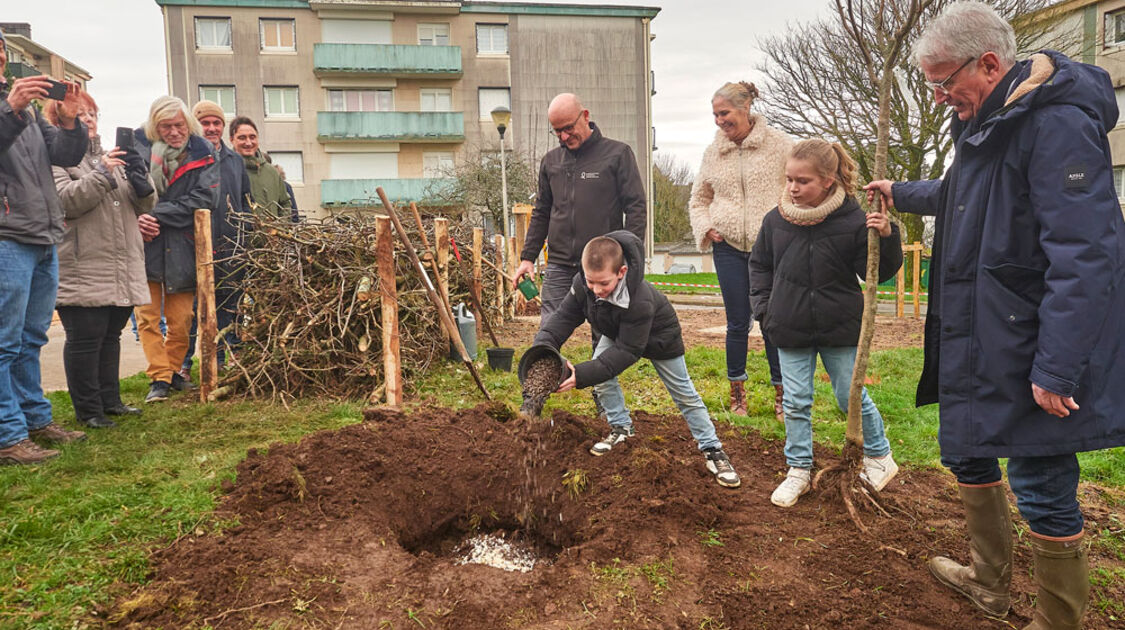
(592, 190)
(170, 257)
(648, 328)
(804, 279)
(101, 258)
(738, 184)
(267, 188)
(29, 206)
(1028, 270)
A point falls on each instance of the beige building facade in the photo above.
(351, 94)
(28, 58)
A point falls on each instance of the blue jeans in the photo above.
(29, 280)
(798, 367)
(1046, 488)
(676, 380)
(732, 266)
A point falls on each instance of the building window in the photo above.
(281, 102)
(361, 101)
(1115, 28)
(363, 165)
(491, 98)
(1119, 182)
(439, 100)
(433, 34)
(221, 94)
(292, 163)
(355, 31)
(277, 34)
(437, 164)
(492, 39)
(212, 33)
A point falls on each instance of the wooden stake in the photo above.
(498, 240)
(388, 292)
(478, 243)
(917, 279)
(205, 305)
(441, 247)
(900, 290)
(443, 312)
(429, 258)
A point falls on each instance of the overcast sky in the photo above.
(699, 45)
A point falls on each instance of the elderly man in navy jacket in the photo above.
(1025, 338)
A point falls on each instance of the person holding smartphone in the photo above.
(101, 264)
(31, 228)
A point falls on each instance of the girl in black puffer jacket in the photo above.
(804, 289)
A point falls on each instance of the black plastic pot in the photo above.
(500, 359)
(534, 353)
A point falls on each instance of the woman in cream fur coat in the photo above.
(740, 180)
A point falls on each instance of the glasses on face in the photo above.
(942, 87)
(568, 130)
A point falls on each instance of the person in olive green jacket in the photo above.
(267, 186)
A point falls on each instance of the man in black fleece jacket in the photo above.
(633, 320)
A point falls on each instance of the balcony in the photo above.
(387, 60)
(338, 193)
(390, 126)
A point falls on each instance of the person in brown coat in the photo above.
(101, 268)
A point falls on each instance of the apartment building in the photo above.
(28, 58)
(354, 94)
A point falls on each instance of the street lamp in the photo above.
(502, 117)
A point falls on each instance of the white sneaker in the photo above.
(616, 436)
(878, 471)
(796, 483)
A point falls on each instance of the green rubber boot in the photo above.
(1063, 577)
(987, 578)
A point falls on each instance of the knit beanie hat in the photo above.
(204, 109)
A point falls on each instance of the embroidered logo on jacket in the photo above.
(1076, 177)
(585, 175)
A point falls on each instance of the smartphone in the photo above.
(124, 137)
(57, 91)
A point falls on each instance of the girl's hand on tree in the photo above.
(879, 222)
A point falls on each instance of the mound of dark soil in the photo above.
(356, 528)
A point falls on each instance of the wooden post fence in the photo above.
(915, 249)
(388, 293)
(478, 243)
(205, 296)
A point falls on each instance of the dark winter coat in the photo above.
(234, 196)
(593, 190)
(29, 205)
(1030, 260)
(804, 279)
(170, 257)
(649, 328)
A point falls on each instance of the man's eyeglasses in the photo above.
(569, 129)
(942, 87)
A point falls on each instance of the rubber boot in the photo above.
(987, 579)
(737, 398)
(778, 396)
(1064, 583)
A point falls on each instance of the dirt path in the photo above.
(359, 528)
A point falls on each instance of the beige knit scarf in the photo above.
(810, 215)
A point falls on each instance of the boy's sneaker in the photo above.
(56, 434)
(719, 465)
(796, 483)
(26, 452)
(878, 471)
(182, 383)
(157, 392)
(616, 436)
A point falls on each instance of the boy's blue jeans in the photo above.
(676, 380)
(798, 368)
(29, 281)
(1046, 488)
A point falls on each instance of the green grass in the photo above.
(76, 533)
(712, 279)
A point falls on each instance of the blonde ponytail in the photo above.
(829, 159)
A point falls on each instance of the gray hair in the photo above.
(164, 108)
(742, 94)
(966, 30)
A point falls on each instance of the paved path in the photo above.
(51, 361)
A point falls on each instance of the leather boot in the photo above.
(778, 397)
(1064, 583)
(737, 398)
(987, 579)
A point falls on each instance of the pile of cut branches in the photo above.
(310, 318)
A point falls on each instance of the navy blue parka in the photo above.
(1028, 273)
